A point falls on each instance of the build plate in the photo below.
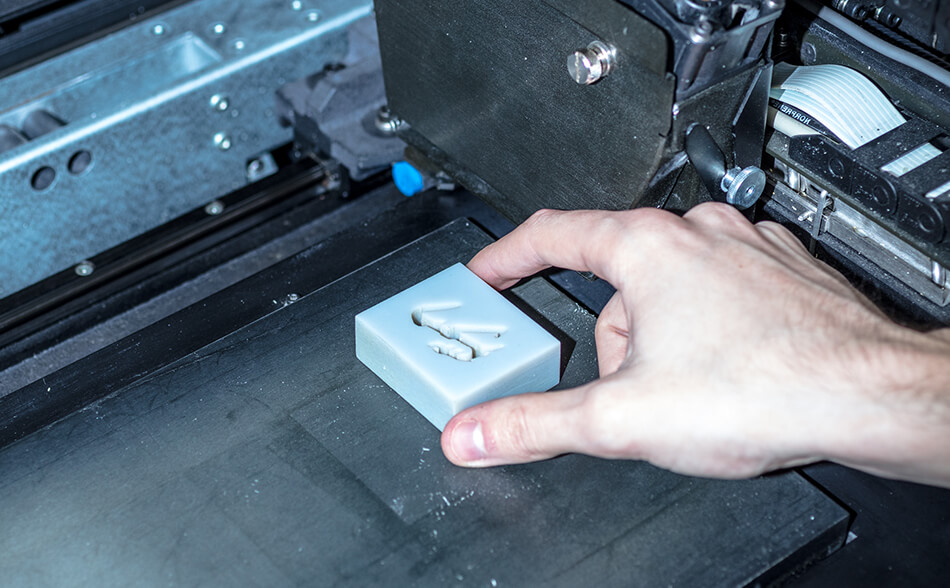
(274, 457)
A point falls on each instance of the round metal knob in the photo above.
(591, 64)
(743, 187)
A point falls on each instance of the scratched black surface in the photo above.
(273, 457)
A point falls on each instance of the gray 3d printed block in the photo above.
(451, 342)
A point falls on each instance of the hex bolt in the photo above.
(158, 29)
(218, 28)
(744, 186)
(84, 269)
(296, 5)
(592, 64)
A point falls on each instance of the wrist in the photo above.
(899, 421)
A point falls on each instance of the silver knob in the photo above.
(386, 122)
(743, 187)
(592, 64)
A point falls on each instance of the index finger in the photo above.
(581, 240)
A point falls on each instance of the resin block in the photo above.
(451, 342)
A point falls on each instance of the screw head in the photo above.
(591, 64)
(296, 5)
(222, 141)
(809, 54)
(218, 28)
(701, 31)
(313, 16)
(84, 269)
(214, 208)
(386, 123)
(219, 102)
(584, 67)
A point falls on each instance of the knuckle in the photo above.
(783, 236)
(712, 209)
(717, 214)
(771, 226)
(775, 229)
(542, 216)
(669, 236)
(615, 232)
(611, 322)
(520, 437)
(598, 429)
(650, 219)
(652, 228)
(602, 326)
(723, 222)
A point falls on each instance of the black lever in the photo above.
(738, 187)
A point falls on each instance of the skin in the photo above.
(727, 351)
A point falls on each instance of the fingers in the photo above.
(781, 237)
(517, 429)
(718, 217)
(612, 336)
(721, 218)
(795, 250)
(585, 240)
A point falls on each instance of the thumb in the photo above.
(516, 429)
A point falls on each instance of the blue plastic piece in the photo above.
(408, 179)
(451, 342)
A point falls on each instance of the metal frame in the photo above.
(170, 111)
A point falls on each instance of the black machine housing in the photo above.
(483, 94)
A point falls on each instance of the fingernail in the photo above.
(468, 441)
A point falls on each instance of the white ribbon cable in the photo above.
(849, 105)
(842, 99)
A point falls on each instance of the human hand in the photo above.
(727, 351)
